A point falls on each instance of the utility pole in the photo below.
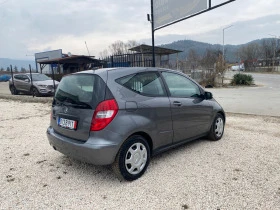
(224, 41)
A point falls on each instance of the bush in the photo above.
(242, 79)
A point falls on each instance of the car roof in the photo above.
(123, 69)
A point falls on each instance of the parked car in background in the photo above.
(4, 78)
(39, 86)
(239, 67)
(123, 116)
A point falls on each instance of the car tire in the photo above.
(35, 92)
(217, 129)
(132, 159)
(13, 90)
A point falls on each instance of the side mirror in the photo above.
(26, 80)
(208, 95)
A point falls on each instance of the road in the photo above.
(263, 99)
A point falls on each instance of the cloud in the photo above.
(31, 26)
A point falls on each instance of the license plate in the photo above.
(69, 124)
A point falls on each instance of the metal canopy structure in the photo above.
(147, 49)
(77, 60)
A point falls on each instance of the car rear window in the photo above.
(81, 90)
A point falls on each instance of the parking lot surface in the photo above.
(262, 99)
(241, 171)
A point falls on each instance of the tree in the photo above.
(120, 47)
(23, 69)
(104, 54)
(8, 69)
(210, 58)
(267, 50)
(2, 69)
(15, 69)
(250, 53)
(193, 58)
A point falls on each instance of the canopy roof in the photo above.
(74, 59)
(147, 49)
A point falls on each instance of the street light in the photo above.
(224, 40)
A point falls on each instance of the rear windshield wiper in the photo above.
(70, 102)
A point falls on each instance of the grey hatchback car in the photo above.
(123, 116)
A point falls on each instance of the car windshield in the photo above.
(40, 77)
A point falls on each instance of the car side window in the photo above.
(24, 77)
(18, 77)
(146, 83)
(180, 86)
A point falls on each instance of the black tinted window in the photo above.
(180, 86)
(18, 77)
(81, 89)
(148, 83)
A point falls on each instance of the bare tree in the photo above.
(250, 53)
(120, 47)
(104, 54)
(193, 58)
(267, 50)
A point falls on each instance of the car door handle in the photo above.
(177, 103)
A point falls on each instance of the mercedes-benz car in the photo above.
(124, 116)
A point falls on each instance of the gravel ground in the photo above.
(242, 171)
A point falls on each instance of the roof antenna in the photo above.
(87, 48)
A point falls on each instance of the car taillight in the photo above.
(104, 114)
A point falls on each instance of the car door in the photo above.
(18, 82)
(153, 114)
(191, 113)
(25, 83)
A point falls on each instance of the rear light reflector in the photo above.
(104, 113)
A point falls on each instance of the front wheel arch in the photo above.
(218, 125)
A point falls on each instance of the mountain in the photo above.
(6, 62)
(231, 51)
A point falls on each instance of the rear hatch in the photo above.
(74, 103)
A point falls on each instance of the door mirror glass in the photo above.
(208, 95)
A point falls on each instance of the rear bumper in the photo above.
(84, 151)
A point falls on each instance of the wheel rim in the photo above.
(136, 158)
(219, 127)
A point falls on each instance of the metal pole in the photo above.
(31, 79)
(87, 48)
(153, 34)
(12, 74)
(53, 79)
(224, 41)
(223, 44)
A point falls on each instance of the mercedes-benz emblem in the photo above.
(65, 109)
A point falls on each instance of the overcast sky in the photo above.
(29, 26)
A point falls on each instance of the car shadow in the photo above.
(93, 173)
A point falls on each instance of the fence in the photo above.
(129, 60)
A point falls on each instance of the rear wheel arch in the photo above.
(145, 136)
(129, 165)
